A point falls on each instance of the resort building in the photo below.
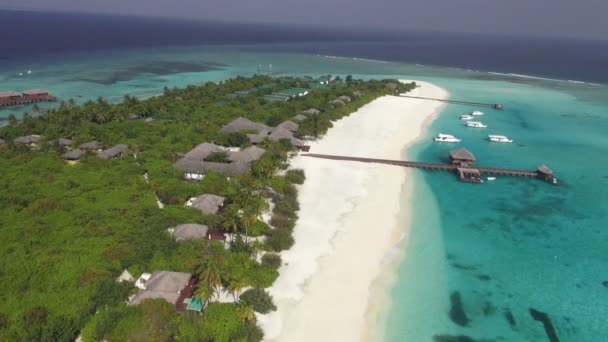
(357, 93)
(300, 117)
(337, 102)
(73, 156)
(344, 98)
(208, 204)
(113, 152)
(177, 288)
(243, 124)
(238, 163)
(61, 142)
(29, 140)
(13, 98)
(93, 146)
(192, 231)
(462, 157)
(469, 175)
(289, 125)
(311, 111)
(10, 98)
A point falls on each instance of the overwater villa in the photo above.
(462, 157)
(13, 98)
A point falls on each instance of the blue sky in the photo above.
(558, 18)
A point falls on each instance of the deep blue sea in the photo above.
(479, 256)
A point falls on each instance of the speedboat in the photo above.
(499, 138)
(477, 113)
(491, 178)
(476, 124)
(466, 117)
(446, 138)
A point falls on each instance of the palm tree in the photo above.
(210, 275)
(235, 286)
(247, 219)
(231, 220)
(204, 293)
(245, 313)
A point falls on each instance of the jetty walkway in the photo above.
(468, 103)
(437, 166)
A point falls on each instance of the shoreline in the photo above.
(352, 218)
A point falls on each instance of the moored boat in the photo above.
(476, 113)
(499, 138)
(476, 124)
(446, 138)
(466, 117)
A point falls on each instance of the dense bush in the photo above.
(249, 332)
(232, 139)
(295, 176)
(280, 239)
(272, 260)
(217, 157)
(259, 299)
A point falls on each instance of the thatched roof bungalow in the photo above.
(247, 155)
(462, 157)
(113, 152)
(91, 145)
(208, 204)
(73, 155)
(202, 151)
(243, 124)
(299, 117)
(189, 231)
(289, 125)
(166, 285)
(311, 111)
(344, 98)
(337, 102)
(27, 139)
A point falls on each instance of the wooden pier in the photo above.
(497, 106)
(464, 171)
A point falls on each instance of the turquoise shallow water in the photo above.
(511, 244)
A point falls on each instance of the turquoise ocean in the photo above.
(479, 257)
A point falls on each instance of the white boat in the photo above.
(491, 178)
(466, 117)
(476, 124)
(477, 113)
(499, 138)
(29, 72)
(446, 138)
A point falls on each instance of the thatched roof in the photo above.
(237, 168)
(190, 231)
(297, 142)
(9, 94)
(164, 285)
(299, 117)
(357, 93)
(243, 124)
(208, 204)
(544, 169)
(201, 151)
(27, 139)
(392, 85)
(337, 102)
(279, 133)
(256, 138)
(344, 98)
(91, 145)
(190, 165)
(73, 155)
(36, 92)
(60, 142)
(2, 142)
(113, 151)
(247, 155)
(133, 116)
(462, 154)
(311, 111)
(289, 125)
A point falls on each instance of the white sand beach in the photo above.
(352, 214)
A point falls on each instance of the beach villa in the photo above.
(113, 152)
(73, 156)
(177, 288)
(28, 140)
(208, 204)
(193, 231)
(93, 146)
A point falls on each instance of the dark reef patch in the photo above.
(453, 338)
(489, 309)
(605, 283)
(510, 319)
(484, 277)
(464, 267)
(457, 313)
(158, 68)
(547, 324)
